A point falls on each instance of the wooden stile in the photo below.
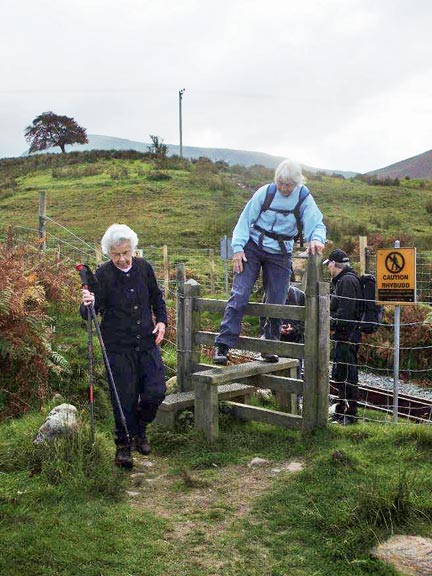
(203, 380)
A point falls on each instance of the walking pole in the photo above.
(91, 374)
(83, 272)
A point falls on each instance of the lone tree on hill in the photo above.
(158, 148)
(49, 129)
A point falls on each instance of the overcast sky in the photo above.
(337, 84)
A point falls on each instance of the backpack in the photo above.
(270, 194)
(371, 313)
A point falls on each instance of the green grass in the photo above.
(65, 511)
(197, 205)
(64, 508)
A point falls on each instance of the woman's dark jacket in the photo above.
(345, 305)
(127, 302)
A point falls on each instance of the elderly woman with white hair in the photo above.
(134, 319)
(263, 239)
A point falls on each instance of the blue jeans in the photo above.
(276, 276)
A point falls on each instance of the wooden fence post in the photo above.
(166, 270)
(180, 324)
(42, 219)
(192, 351)
(187, 321)
(313, 393)
(212, 271)
(98, 254)
(362, 250)
(323, 377)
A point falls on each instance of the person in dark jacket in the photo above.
(134, 320)
(346, 294)
(293, 330)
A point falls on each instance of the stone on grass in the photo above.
(61, 420)
(259, 462)
(289, 467)
(409, 555)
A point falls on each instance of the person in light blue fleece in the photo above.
(263, 238)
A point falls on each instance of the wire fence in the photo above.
(375, 354)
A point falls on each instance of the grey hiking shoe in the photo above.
(220, 355)
(269, 357)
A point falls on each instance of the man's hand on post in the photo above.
(159, 330)
(286, 329)
(238, 260)
(315, 247)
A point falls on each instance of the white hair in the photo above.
(289, 171)
(115, 234)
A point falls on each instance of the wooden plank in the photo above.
(275, 383)
(323, 381)
(239, 371)
(255, 309)
(288, 349)
(246, 412)
(202, 366)
(180, 400)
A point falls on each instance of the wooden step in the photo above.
(233, 373)
(257, 414)
(180, 400)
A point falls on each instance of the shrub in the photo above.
(158, 175)
(27, 358)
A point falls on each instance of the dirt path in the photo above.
(202, 506)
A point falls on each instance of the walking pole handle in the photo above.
(82, 270)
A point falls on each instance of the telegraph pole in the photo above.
(181, 92)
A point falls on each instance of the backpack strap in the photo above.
(296, 212)
(269, 197)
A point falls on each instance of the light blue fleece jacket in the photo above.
(312, 219)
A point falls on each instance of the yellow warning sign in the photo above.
(396, 275)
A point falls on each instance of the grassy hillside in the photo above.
(193, 204)
(419, 166)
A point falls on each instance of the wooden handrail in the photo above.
(253, 309)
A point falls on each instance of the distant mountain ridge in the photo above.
(242, 157)
(419, 166)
